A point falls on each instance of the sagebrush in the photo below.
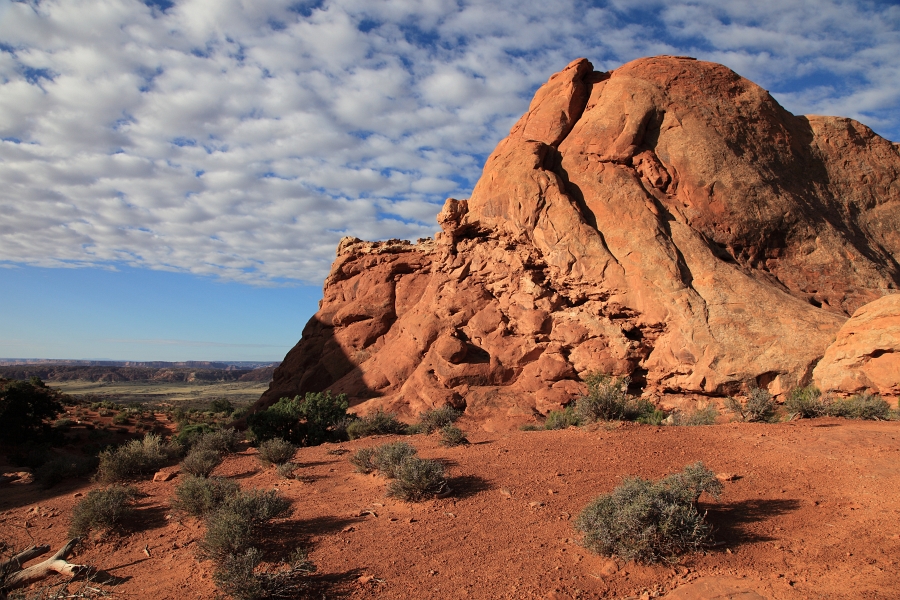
(378, 423)
(434, 419)
(133, 459)
(102, 510)
(650, 521)
(231, 527)
(276, 451)
(199, 496)
(416, 479)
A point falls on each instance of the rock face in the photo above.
(667, 220)
(865, 357)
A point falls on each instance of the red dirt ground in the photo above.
(812, 513)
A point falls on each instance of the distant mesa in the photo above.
(667, 220)
(119, 371)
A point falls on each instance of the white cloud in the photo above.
(242, 139)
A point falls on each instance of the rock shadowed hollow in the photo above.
(667, 220)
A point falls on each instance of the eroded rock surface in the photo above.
(667, 220)
(865, 357)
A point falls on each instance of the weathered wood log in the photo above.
(15, 563)
(17, 577)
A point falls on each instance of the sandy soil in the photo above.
(812, 513)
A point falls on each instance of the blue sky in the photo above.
(175, 174)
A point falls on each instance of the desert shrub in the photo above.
(221, 405)
(31, 454)
(650, 521)
(701, 416)
(231, 527)
(198, 496)
(287, 469)
(189, 433)
(133, 459)
(606, 399)
(530, 427)
(387, 457)
(561, 419)
(416, 479)
(62, 424)
(379, 422)
(759, 407)
(63, 467)
(281, 420)
(305, 422)
(238, 576)
(276, 451)
(453, 436)
(322, 411)
(102, 510)
(860, 406)
(120, 418)
(652, 415)
(223, 441)
(436, 418)
(26, 408)
(201, 461)
(363, 460)
(806, 402)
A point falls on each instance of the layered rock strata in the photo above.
(667, 220)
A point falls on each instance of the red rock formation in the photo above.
(865, 357)
(667, 220)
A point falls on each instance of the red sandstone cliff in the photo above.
(667, 220)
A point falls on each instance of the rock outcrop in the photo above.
(667, 220)
(865, 357)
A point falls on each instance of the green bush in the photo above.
(562, 419)
(230, 529)
(63, 467)
(322, 411)
(223, 441)
(276, 452)
(860, 406)
(416, 479)
(606, 399)
(189, 433)
(102, 510)
(434, 419)
(26, 408)
(701, 416)
(221, 405)
(650, 521)
(363, 460)
(199, 496)
(305, 422)
(238, 576)
(453, 436)
(120, 418)
(201, 462)
(378, 423)
(287, 469)
(759, 407)
(387, 457)
(133, 459)
(806, 402)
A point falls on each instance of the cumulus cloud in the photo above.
(242, 139)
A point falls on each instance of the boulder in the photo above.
(667, 220)
(865, 356)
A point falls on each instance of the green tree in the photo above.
(26, 407)
(305, 421)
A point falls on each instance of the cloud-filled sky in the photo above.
(238, 141)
